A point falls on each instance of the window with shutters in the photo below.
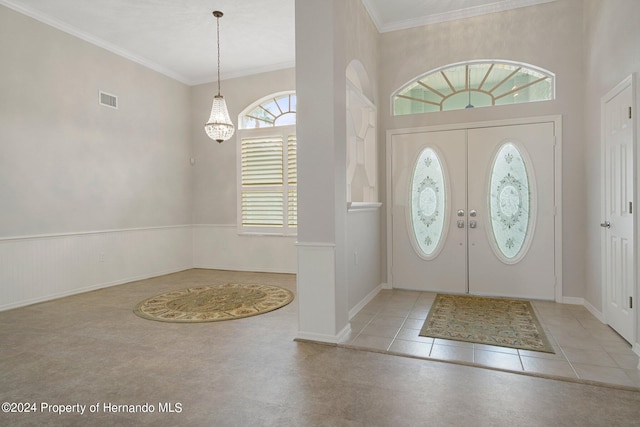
(267, 167)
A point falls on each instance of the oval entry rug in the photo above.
(214, 303)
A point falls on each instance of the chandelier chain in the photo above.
(218, 42)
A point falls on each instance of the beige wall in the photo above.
(363, 230)
(68, 164)
(215, 169)
(612, 46)
(548, 36)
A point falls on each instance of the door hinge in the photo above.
(630, 207)
(630, 302)
(629, 112)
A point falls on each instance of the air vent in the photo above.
(108, 100)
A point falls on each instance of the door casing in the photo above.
(557, 168)
(632, 82)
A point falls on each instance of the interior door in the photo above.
(427, 197)
(495, 196)
(511, 194)
(618, 244)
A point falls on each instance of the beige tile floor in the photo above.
(585, 349)
(92, 349)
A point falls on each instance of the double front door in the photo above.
(473, 211)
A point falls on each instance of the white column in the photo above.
(321, 134)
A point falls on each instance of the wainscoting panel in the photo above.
(317, 289)
(363, 256)
(40, 268)
(221, 247)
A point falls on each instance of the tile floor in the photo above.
(91, 349)
(585, 349)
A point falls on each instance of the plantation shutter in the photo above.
(268, 184)
(292, 173)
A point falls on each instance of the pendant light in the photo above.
(219, 127)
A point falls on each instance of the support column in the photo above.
(322, 203)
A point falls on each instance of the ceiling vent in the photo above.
(108, 100)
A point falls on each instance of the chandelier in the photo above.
(219, 127)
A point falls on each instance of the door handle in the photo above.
(605, 224)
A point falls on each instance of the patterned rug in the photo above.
(214, 303)
(493, 321)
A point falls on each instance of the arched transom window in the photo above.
(278, 110)
(474, 84)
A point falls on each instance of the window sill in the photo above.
(363, 206)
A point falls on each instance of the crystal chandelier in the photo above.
(219, 126)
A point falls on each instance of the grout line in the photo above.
(402, 324)
(567, 314)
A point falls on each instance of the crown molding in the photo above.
(69, 29)
(497, 6)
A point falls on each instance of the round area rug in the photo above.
(214, 303)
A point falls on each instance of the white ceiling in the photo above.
(178, 37)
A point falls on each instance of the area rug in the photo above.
(214, 303)
(493, 321)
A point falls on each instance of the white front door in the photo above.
(474, 211)
(429, 179)
(511, 187)
(617, 227)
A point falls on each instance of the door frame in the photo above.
(557, 168)
(631, 80)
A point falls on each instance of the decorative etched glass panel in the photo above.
(510, 199)
(428, 200)
(474, 84)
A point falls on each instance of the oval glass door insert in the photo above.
(428, 200)
(510, 201)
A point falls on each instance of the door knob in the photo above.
(473, 212)
(605, 224)
(461, 212)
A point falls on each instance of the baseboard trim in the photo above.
(95, 287)
(237, 268)
(596, 313)
(366, 300)
(322, 338)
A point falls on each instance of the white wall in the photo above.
(93, 196)
(363, 232)
(363, 257)
(89, 196)
(547, 35)
(612, 46)
(70, 165)
(216, 241)
(328, 37)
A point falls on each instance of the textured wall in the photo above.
(547, 35)
(215, 169)
(612, 46)
(68, 164)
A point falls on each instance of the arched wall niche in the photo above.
(362, 157)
